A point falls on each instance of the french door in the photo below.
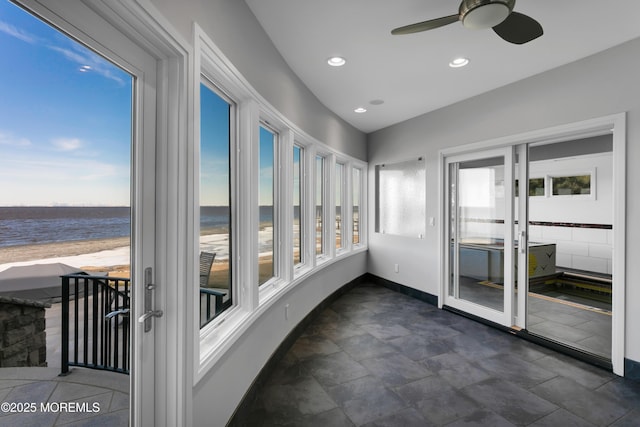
(533, 236)
(480, 234)
(148, 218)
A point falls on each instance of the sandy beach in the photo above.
(38, 252)
(104, 255)
(101, 255)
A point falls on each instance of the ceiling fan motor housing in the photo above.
(480, 14)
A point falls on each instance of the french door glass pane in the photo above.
(570, 249)
(477, 196)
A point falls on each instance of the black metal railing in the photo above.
(95, 323)
(206, 294)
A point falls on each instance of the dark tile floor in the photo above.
(379, 358)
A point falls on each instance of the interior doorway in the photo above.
(570, 251)
(545, 259)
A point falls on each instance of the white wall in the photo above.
(593, 87)
(234, 29)
(588, 249)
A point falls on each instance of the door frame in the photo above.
(616, 124)
(107, 26)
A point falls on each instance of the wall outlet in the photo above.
(286, 312)
(396, 268)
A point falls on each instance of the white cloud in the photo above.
(17, 33)
(67, 144)
(88, 61)
(10, 140)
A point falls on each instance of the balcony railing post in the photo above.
(65, 326)
(101, 347)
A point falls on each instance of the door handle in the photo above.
(522, 242)
(123, 311)
(149, 312)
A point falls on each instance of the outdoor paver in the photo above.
(49, 392)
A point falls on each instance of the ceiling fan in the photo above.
(512, 26)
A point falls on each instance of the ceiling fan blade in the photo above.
(426, 25)
(518, 28)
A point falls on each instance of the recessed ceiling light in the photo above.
(336, 61)
(458, 62)
(360, 110)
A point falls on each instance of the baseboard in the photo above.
(632, 369)
(406, 290)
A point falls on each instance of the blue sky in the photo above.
(65, 119)
(214, 149)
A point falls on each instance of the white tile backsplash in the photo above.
(595, 235)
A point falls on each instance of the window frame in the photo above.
(592, 181)
(303, 206)
(343, 186)
(326, 214)
(277, 203)
(359, 184)
(233, 142)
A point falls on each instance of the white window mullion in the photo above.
(248, 177)
(285, 205)
(329, 228)
(310, 202)
(347, 208)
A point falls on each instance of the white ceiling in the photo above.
(411, 73)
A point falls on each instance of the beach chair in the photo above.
(206, 261)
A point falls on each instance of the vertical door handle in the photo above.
(149, 312)
(522, 242)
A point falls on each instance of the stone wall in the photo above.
(23, 339)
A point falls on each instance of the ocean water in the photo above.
(32, 225)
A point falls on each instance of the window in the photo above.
(215, 203)
(261, 196)
(401, 198)
(339, 190)
(536, 187)
(266, 205)
(571, 185)
(298, 213)
(355, 209)
(319, 196)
